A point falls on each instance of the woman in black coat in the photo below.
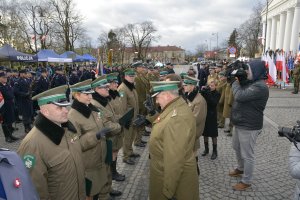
(212, 97)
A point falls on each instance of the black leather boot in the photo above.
(206, 150)
(115, 175)
(215, 153)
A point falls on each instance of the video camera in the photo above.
(237, 69)
(293, 134)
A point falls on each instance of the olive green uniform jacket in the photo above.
(173, 171)
(129, 97)
(142, 86)
(228, 101)
(88, 121)
(53, 157)
(199, 108)
(111, 120)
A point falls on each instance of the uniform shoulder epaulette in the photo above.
(4, 149)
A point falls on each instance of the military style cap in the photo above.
(190, 80)
(137, 64)
(112, 77)
(55, 96)
(160, 86)
(101, 81)
(3, 74)
(2, 68)
(222, 73)
(82, 87)
(183, 74)
(163, 73)
(129, 72)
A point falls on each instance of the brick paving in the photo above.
(271, 176)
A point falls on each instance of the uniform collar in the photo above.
(129, 85)
(191, 96)
(83, 109)
(114, 93)
(52, 130)
(100, 99)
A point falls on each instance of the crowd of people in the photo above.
(72, 153)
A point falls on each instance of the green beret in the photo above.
(55, 95)
(190, 80)
(101, 81)
(129, 72)
(83, 87)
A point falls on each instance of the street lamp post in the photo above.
(217, 35)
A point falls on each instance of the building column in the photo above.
(263, 33)
(269, 26)
(288, 30)
(273, 33)
(295, 30)
(281, 30)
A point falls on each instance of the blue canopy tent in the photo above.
(48, 55)
(75, 57)
(7, 53)
(89, 57)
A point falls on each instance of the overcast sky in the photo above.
(184, 23)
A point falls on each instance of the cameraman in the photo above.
(250, 98)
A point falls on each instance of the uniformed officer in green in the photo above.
(89, 123)
(296, 75)
(213, 76)
(153, 73)
(101, 100)
(198, 106)
(173, 171)
(142, 87)
(51, 150)
(129, 100)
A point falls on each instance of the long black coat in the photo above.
(211, 124)
(22, 91)
(7, 110)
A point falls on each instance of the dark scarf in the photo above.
(129, 85)
(83, 109)
(100, 99)
(192, 95)
(52, 130)
(113, 94)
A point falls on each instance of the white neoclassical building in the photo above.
(283, 25)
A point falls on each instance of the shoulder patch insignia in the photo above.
(29, 161)
(174, 113)
(121, 93)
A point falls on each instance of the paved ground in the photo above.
(271, 177)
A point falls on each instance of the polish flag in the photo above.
(272, 75)
(279, 59)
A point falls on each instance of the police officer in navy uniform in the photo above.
(59, 78)
(73, 77)
(15, 182)
(42, 83)
(23, 92)
(7, 110)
